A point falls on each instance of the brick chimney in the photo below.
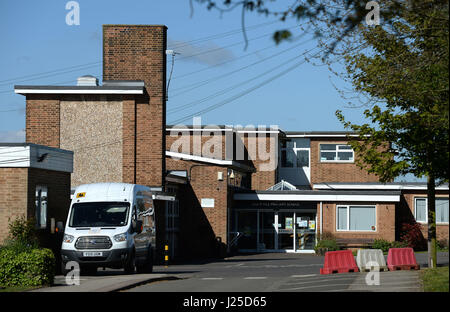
(137, 52)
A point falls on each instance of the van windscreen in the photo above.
(97, 214)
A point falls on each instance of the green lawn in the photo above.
(435, 279)
(16, 289)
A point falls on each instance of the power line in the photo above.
(222, 35)
(207, 81)
(245, 92)
(73, 68)
(194, 103)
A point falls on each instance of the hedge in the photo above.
(33, 267)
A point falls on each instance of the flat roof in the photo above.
(375, 186)
(312, 134)
(314, 195)
(14, 144)
(105, 89)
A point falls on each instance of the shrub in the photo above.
(411, 235)
(398, 244)
(23, 230)
(22, 262)
(32, 267)
(382, 244)
(442, 245)
(325, 245)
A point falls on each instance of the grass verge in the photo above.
(17, 289)
(435, 280)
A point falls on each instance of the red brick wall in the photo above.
(385, 223)
(407, 210)
(42, 120)
(137, 52)
(129, 141)
(263, 179)
(13, 197)
(18, 195)
(335, 172)
(201, 227)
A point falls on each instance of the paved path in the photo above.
(105, 283)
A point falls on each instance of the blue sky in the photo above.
(36, 40)
(38, 48)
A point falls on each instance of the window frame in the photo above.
(41, 190)
(336, 151)
(348, 218)
(294, 149)
(426, 205)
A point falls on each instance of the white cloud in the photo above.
(209, 53)
(12, 136)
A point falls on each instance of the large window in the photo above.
(294, 154)
(421, 209)
(336, 153)
(355, 218)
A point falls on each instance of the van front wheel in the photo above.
(130, 264)
(147, 266)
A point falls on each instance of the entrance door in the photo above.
(266, 230)
(247, 225)
(291, 231)
(305, 237)
(285, 230)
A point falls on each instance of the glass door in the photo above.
(285, 230)
(305, 231)
(247, 225)
(266, 230)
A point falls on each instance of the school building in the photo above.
(235, 188)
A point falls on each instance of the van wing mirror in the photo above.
(59, 227)
(137, 226)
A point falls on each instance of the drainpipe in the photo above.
(321, 219)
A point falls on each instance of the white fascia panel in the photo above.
(330, 186)
(318, 197)
(207, 160)
(76, 91)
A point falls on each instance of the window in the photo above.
(336, 153)
(294, 154)
(442, 210)
(41, 207)
(356, 218)
(421, 210)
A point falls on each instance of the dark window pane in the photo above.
(327, 156)
(328, 147)
(345, 156)
(302, 159)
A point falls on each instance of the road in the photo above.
(277, 272)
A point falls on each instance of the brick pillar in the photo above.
(42, 120)
(137, 52)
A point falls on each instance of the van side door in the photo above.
(145, 214)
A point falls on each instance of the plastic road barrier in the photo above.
(371, 260)
(402, 259)
(341, 261)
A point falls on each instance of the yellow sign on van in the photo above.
(80, 195)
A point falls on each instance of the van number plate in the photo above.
(92, 254)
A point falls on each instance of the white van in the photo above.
(105, 228)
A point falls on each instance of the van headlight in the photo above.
(68, 238)
(120, 237)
